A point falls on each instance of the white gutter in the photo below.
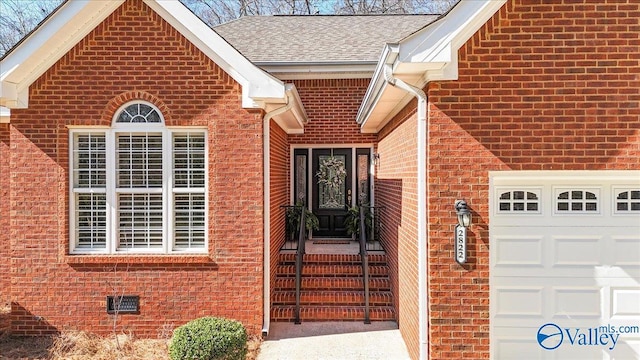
(266, 322)
(423, 209)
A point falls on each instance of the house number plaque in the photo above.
(461, 244)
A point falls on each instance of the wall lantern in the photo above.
(376, 158)
(464, 221)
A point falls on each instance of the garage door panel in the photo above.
(518, 251)
(624, 303)
(626, 251)
(577, 251)
(517, 302)
(511, 344)
(577, 302)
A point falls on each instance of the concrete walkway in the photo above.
(334, 340)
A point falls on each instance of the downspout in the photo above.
(423, 210)
(266, 319)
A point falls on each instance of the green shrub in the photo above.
(209, 338)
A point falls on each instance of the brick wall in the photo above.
(396, 191)
(332, 106)
(133, 54)
(279, 193)
(542, 86)
(5, 217)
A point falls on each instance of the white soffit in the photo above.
(427, 55)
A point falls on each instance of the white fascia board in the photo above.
(5, 115)
(440, 41)
(47, 44)
(258, 87)
(319, 70)
(378, 83)
(294, 117)
(430, 54)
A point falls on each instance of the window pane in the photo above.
(189, 160)
(189, 220)
(301, 179)
(139, 160)
(139, 113)
(91, 221)
(363, 179)
(140, 221)
(89, 161)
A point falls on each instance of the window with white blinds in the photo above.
(138, 186)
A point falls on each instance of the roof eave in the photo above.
(5, 115)
(75, 19)
(289, 70)
(427, 55)
(294, 119)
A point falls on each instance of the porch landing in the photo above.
(332, 246)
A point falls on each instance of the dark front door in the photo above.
(331, 190)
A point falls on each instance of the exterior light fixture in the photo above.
(464, 221)
(464, 215)
(376, 158)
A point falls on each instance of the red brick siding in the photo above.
(396, 190)
(5, 216)
(542, 86)
(279, 193)
(134, 54)
(332, 106)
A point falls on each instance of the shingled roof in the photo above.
(318, 38)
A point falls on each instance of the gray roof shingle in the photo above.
(318, 38)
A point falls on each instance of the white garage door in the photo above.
(565, 265)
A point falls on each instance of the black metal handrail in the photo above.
(365, 265)
(299, 259)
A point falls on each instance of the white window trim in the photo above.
(614, 200)
(597, 191)
(537, 190)
(167, 189)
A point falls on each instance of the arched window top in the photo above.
(577, 201)
(627, 200)
(138, 112)
(519, 201)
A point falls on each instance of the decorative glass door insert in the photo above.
(331, 182)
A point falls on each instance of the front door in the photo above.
(331, 190)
